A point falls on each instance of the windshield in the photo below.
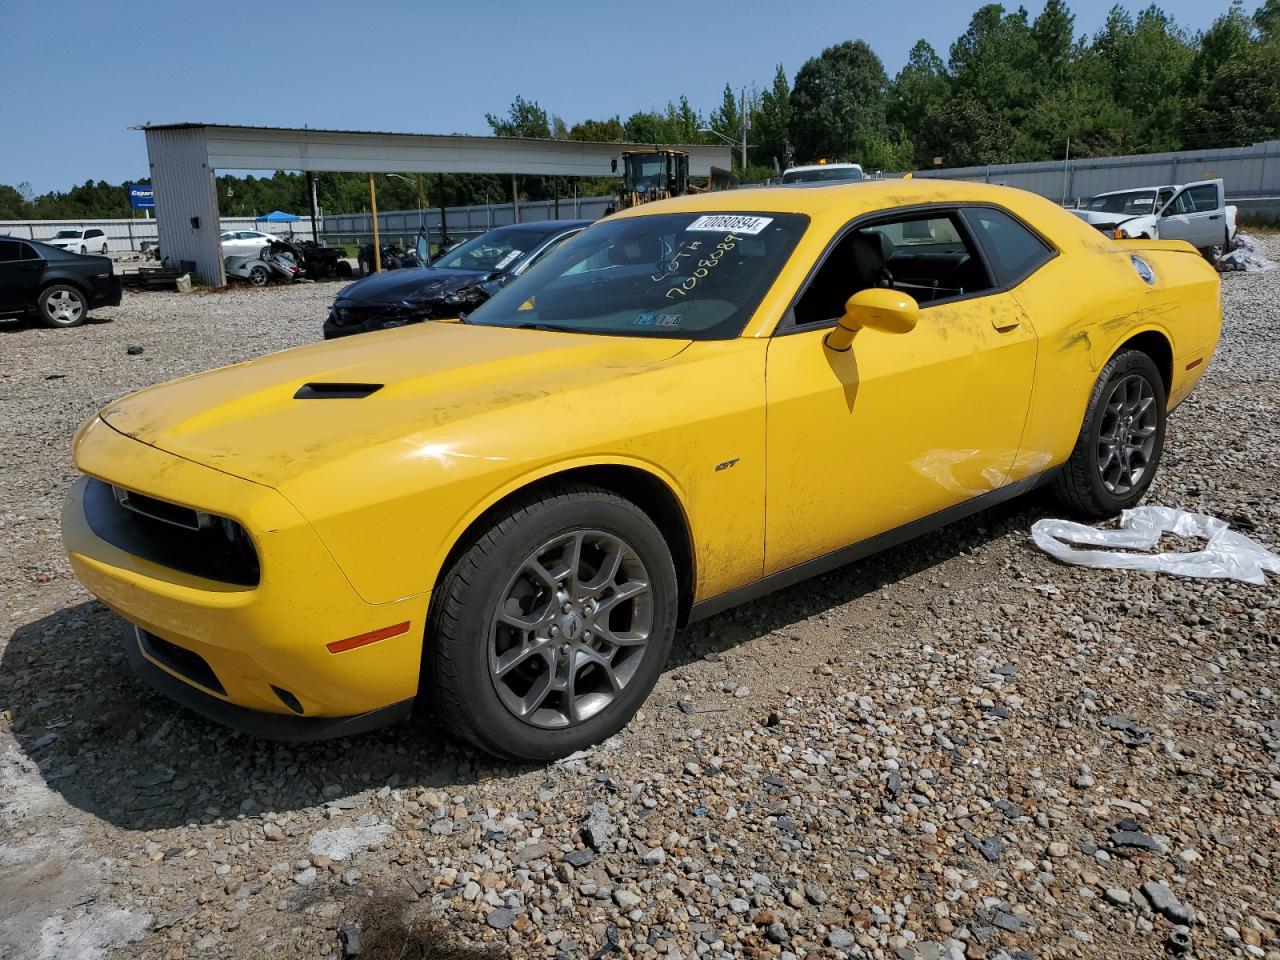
(1131, 204)
(496, 250)
(645, 171)
(822, 174)
(681, 275)
(67, 235)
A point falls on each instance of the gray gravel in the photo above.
(959, 749)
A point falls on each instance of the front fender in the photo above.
(549, 471)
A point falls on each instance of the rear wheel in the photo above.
(551, 629)
(104, 249)
(259, 276)
(62, 305)
(1118, 450)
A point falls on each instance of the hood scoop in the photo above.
(336, 391)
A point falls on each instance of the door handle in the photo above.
(1216, 216)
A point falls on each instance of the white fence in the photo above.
(348, 229)
(1248, 173)
(124, 235)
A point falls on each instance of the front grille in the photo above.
(186, 663)
(190, 541)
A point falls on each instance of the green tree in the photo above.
(1234, 81)
(838, 105)
(921, 87)
(772, 122)
(599, 131)
(524, 119)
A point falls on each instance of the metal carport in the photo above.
(184, 158)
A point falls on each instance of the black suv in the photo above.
(60, 287)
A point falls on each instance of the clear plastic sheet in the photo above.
(1227, 555)
(1246, 255)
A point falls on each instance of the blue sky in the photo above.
(92, 69)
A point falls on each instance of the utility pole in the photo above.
(744, 130)
(373, 206)
(1065, 167)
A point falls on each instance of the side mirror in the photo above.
(876, 309)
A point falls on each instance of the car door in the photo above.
(21, 268)
(1197, 214)
(900, 426)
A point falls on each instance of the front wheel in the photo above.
(258, 276)
(84, 249)
(1118, 450)
(550, 631)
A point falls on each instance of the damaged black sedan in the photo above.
(457, 283)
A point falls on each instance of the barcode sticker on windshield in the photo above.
(506, 261)
(730, 223)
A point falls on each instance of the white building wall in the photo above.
(186, 199)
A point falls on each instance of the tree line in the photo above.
(1012, 88)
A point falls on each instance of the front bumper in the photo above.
(268, 726)
(260, 646)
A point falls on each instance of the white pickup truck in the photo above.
(1195, 212)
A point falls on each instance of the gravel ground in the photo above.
(958, 749)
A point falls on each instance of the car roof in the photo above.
(546, 226)
(1112, 193)
(822, 166)
(842, 195)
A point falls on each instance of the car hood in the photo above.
(253, 420)
(415, 283)
(1097, 216)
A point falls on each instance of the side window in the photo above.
(27, 252)
(1183, 203)
(227, 236)
(1013, 250)
(929, 257)
(91, 234)
(1204, 197)
(9, 251)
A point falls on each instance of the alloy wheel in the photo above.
(1127, 434)
(63, 306)
(570, 629)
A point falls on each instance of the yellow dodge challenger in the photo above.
(509, 514)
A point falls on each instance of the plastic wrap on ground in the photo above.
(1246, 255)
(1227, 554)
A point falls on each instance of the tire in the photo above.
(258, 276)
(1126, 413)
(104, 249)
(61, 305)
(264, 253)
(480, 697)
(84, 249)
(343, 268)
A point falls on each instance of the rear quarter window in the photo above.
(1013, 251)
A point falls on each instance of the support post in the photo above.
(515, 201)
(555, 192)
(311, 199)
(444, 223)
(377, 246)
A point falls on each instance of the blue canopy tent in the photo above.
(278, 216)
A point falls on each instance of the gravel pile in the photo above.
(960, 749)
